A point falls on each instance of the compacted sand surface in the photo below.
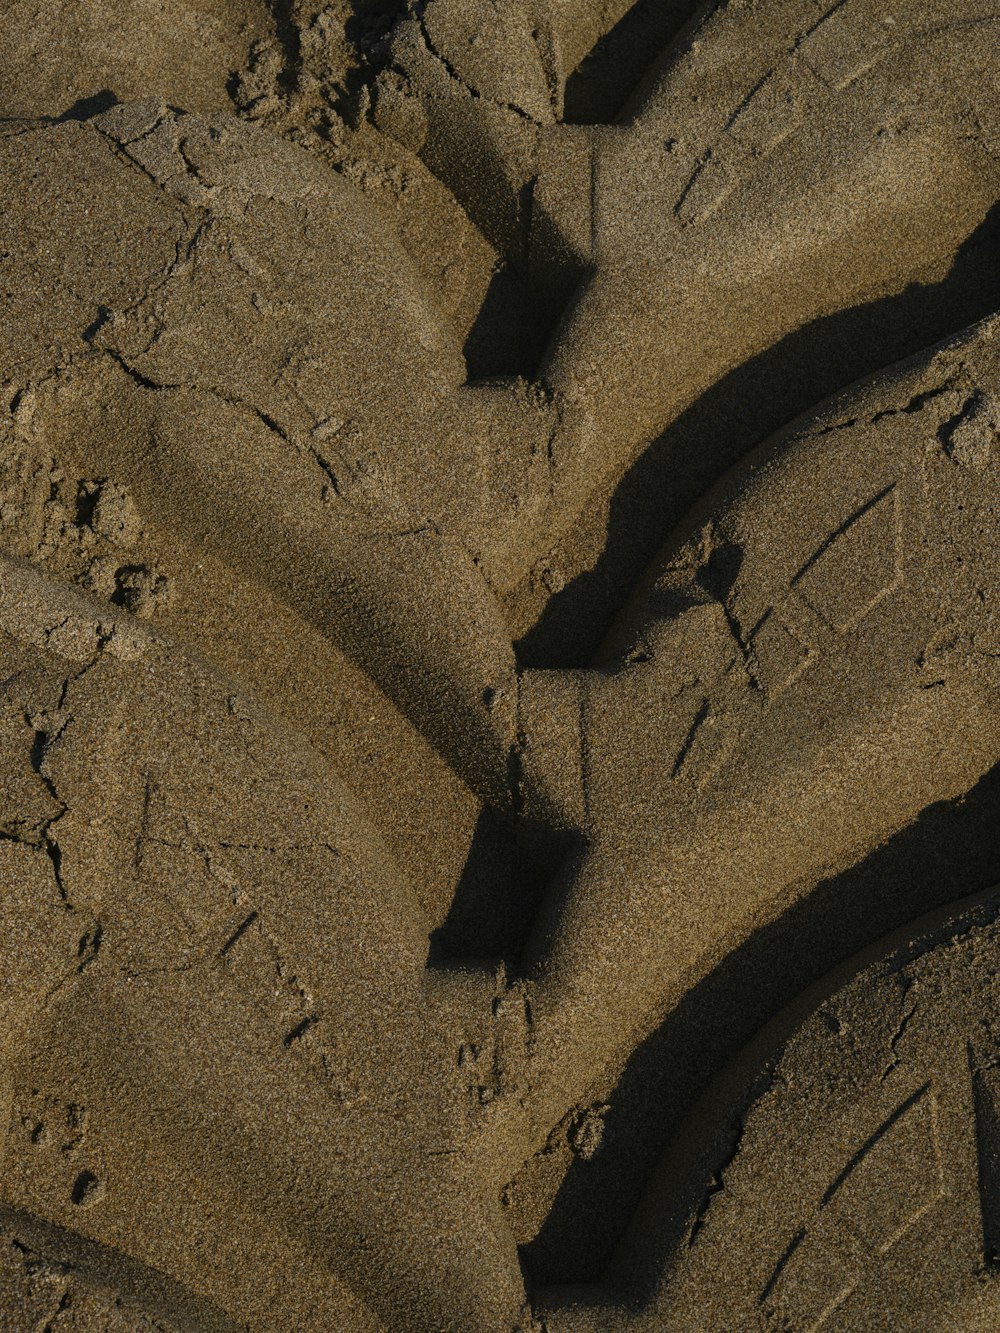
(499, 660)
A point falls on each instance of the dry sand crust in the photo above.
(500, 631)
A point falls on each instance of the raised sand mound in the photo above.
(500, 625)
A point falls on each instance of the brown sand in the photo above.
(500, 604)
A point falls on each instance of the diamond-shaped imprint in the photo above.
(846, 42)
(708, 185)
(809, 1282)
(710, 740)
(779, 657)
(768, 116)
(893, 1178)
(857, 566)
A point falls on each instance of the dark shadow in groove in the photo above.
(951, 851)
(607, 78)
(524, 306)
(371, 21)
(529, 293)
(286, 29)
(740, 411)
(368, 29)
(504, 882)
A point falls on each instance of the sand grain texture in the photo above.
(499, 650)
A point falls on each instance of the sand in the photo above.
(500, 640)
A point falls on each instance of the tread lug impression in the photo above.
(499, 662)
